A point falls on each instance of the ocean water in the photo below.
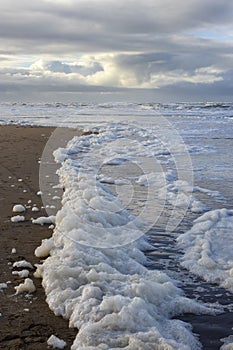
(144, 228)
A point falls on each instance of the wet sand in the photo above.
(26, 322)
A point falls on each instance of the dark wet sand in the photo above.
(20, 150)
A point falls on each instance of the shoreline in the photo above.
(28, 322)
(25, 322)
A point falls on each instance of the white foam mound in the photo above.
(113, 300)
(95, 275)
(17, 218)
(18, 208)
(43, 250)
(35, 209)
(56, 342)
(208, 247)
(44, 220)
(26, 287)
(23, 264)
(22, 274)
(228, 343)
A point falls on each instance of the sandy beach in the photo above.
(26, 322)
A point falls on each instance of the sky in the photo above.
(132, 50)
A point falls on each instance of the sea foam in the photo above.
(208, 247)
(96, 274)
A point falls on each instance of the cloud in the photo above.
(85, 67)
(150, 70)
(105, 25)
(108, 44)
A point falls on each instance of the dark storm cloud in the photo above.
(210, 55)
(104, 25)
